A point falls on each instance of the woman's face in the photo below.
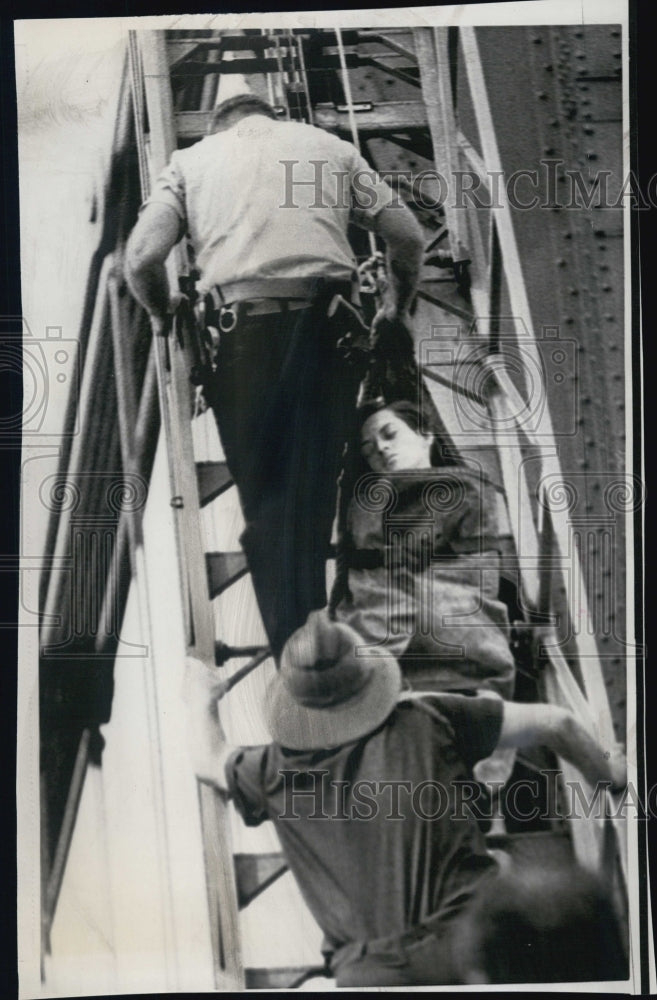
(388, 444)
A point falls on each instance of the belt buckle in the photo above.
(227, 319)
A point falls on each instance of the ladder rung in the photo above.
(389, 116)
(385, 118)
(256, 872)
(327, 36)
(228, 43)
(224, 652)
(451, 383)
(384, 38)
(449, 307)
(278, 979)
(223, 569)
(407, 74)
(213, 479)
(258, 42)
(256, 65)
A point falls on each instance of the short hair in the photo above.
(244, 104)
(543, 923)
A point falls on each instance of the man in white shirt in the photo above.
(267, 205)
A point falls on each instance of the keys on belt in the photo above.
(230, 313)
(353, 346)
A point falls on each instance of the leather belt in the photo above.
(230, 313)
(261, 307)
(226, 304)
(279, 288)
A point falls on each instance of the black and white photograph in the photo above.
(330, 650)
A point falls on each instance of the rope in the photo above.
(281, 74)
(350, 112)
(270, 85)
(304, 78)
(294, 72)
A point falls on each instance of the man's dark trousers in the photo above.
(284, 401)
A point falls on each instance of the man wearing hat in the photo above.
(365, 786)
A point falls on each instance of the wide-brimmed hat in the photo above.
(329, 690)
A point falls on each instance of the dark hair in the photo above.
(414, 418)
(543, 924)
(244, 104)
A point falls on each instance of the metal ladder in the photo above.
(465, 265)
(234, 880)
(539, 522)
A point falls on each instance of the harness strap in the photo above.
(390, 555)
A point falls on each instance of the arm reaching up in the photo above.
(202, 689)
(527, 725)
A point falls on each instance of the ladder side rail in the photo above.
(128, 538)
(581, 621)
(501, 390)
(588, 832)
(558, 683)
(305, 81)
(547, 643)
(269, 83)
(587, 649)
(127, 410)
(474, 160)
(221, 888)
(516, 491)
(562, 689)
(431, 53)
(126, 399)
(52, 887)
(147, 417)
(346, 83)
(211, 82)
(145, 162)
(535, 545)
(95, 346)
(480, 268)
